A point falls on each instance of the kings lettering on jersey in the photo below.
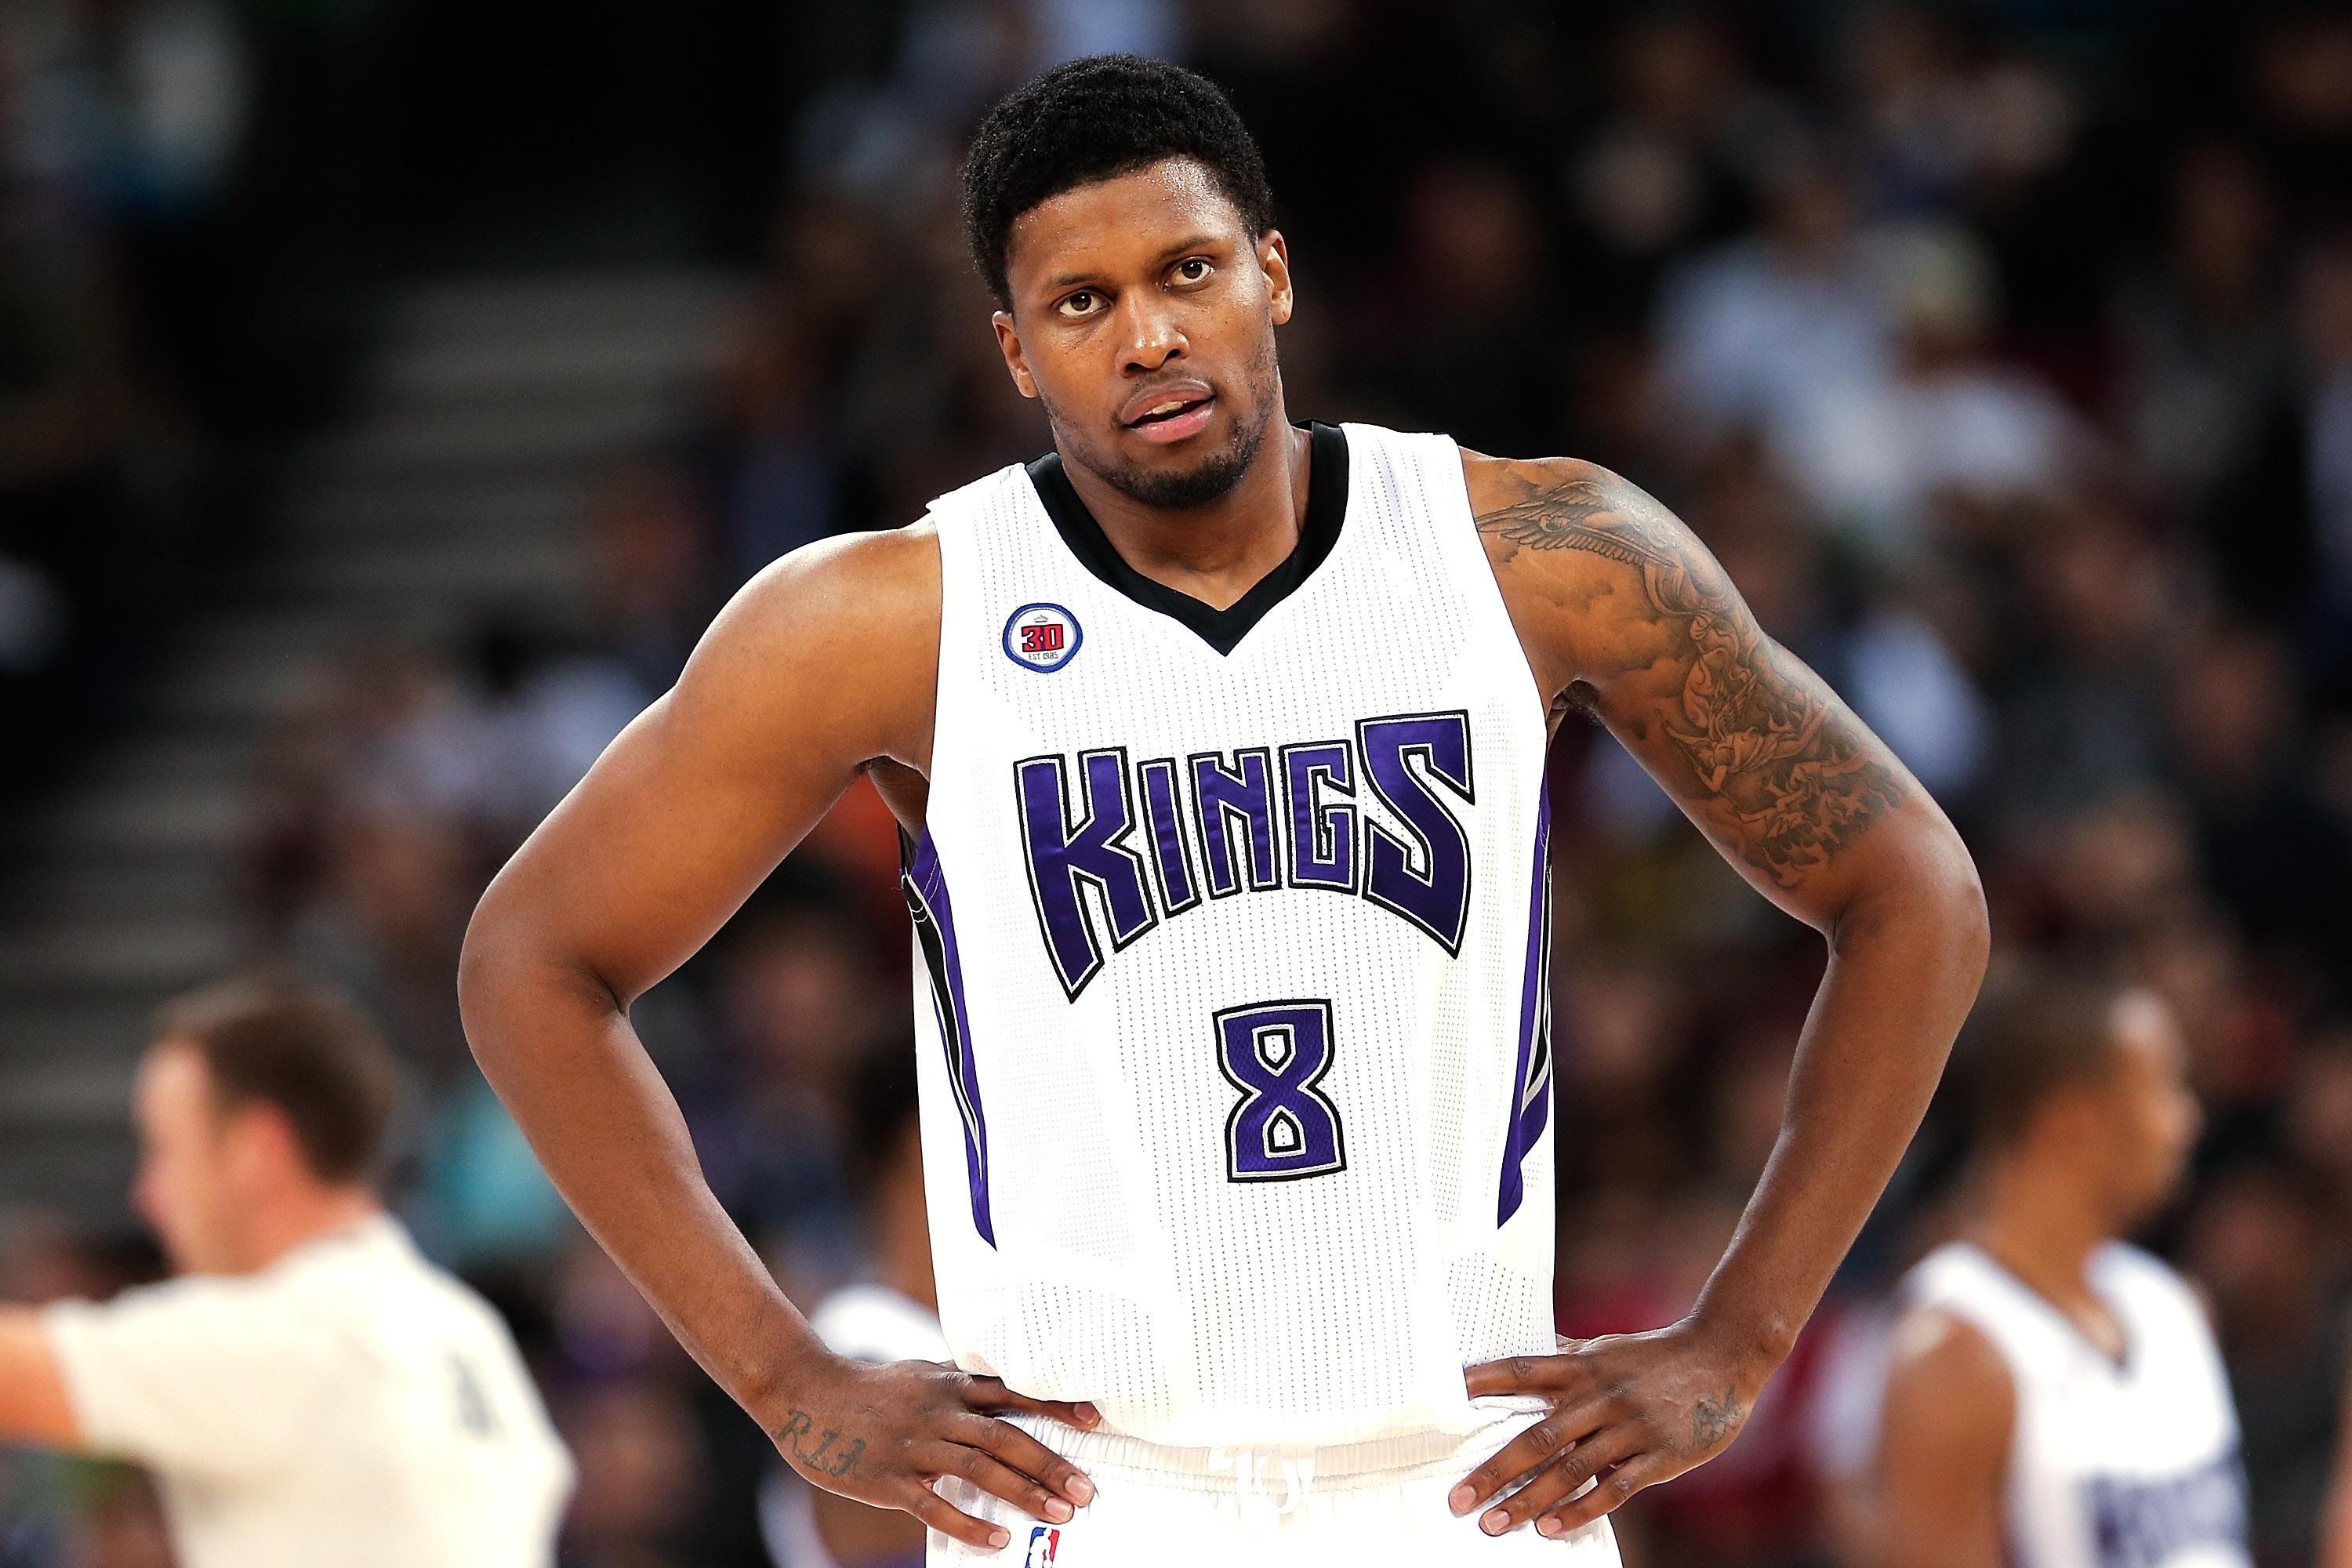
(1115, 846)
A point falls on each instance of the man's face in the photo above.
(186, 1187)
(2151, 1119)
(1143, 317)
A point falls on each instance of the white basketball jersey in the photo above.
(2129, 1466)
(1232, 964)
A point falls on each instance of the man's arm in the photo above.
(1943, 1448)
(825, 665)
(1625, 617)
(34, 1406)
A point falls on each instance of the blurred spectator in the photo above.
(797, 995)
(2277, 860)
(2265, 1253)
(891, 1313)
(2325, 321)
(1480, 337)
(1757, 334)
(1663, 166)
(2205, 358)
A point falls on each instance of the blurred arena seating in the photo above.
(460, 486)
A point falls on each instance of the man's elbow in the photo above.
(1930, 891)
(489, 971)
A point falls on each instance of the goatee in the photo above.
(1211, 478)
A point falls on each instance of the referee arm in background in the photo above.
(33, 1404)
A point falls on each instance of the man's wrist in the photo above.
(785, 1387)
(1757, 1340)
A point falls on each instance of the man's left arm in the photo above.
(34, 1405)
(1626, 617)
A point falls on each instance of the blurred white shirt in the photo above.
(350, 1406)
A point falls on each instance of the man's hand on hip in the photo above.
(883, 1434)
(1628, 1411)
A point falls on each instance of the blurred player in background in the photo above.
(892, 1314)
(2056, 1399)
(310, 1392)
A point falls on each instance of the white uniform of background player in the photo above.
(1232, 995)
(2112, 1464)
(349, 1394)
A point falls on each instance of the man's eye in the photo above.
(1192, 270)
(1081, 303)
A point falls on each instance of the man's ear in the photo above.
(1273, 259)
(1008, 342)
(262, 1144)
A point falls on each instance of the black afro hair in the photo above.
(1096, 119)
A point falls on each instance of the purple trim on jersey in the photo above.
(1531, 1084)
(1439, 902)
(926, 887)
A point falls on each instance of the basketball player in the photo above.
(1219, 745)
(2056, 1399)
(310, 1393)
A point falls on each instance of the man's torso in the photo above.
(1236, 1049)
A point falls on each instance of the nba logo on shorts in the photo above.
(1044, 1542)
(1042, 637)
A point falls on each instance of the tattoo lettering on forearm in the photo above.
(1768, 744)
(1713, 1421)
(818, 1455)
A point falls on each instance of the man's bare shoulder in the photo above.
(839, 636)
(877, 577)
(1546, 506)
(1579, 552)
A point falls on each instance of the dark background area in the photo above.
(2002, 352)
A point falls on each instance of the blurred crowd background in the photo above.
(2002, 350)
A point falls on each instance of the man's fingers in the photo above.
(989, 1395)
(1518, 1374)
(994, 1477)
(1558, 1378)
(1612, 1488)
(1560, 1478)
(1524, 1453)
(948, 1519)
(1016, 1449)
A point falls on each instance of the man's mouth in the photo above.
(1174, 418)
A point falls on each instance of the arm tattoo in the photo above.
(1768, 744)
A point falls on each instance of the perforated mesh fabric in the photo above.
(1135, 1263)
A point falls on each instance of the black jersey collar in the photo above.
(1327, 508)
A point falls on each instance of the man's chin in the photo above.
(1177, 480)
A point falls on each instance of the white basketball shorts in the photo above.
(1360, 1505)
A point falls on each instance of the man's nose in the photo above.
(1151, 336)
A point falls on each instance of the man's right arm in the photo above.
(826, 664)
(1943, 1447)
(34, 1404)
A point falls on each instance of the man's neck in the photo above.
(297, 1219)
(1215, 552)
(2043, 1227)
